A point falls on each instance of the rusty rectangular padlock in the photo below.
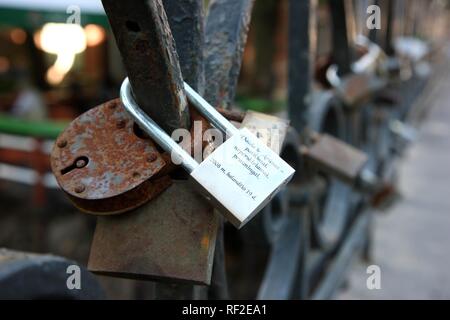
(355, 88)
(348, 164)
(239, 178)
(169, 238)
(335, 157)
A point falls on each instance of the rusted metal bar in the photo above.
(148, 53)
(302, 46)
(341, 49)
(186, 23)
(227, 25)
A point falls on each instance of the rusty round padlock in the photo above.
(107, 165)
(103, 165)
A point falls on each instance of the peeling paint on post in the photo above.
(227, 26)
(186, 22)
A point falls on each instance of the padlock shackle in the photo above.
(161, 137)
(154, 130)
(209, 112)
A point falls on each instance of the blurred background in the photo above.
(52, 71)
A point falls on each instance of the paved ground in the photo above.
(412, 240)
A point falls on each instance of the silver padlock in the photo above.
(240, 177)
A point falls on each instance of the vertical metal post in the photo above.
(187, 26)
(302, 49)
(341, 50)
(227, 26)
(148, 53)
(388, 36)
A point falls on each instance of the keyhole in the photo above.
(79, 163)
